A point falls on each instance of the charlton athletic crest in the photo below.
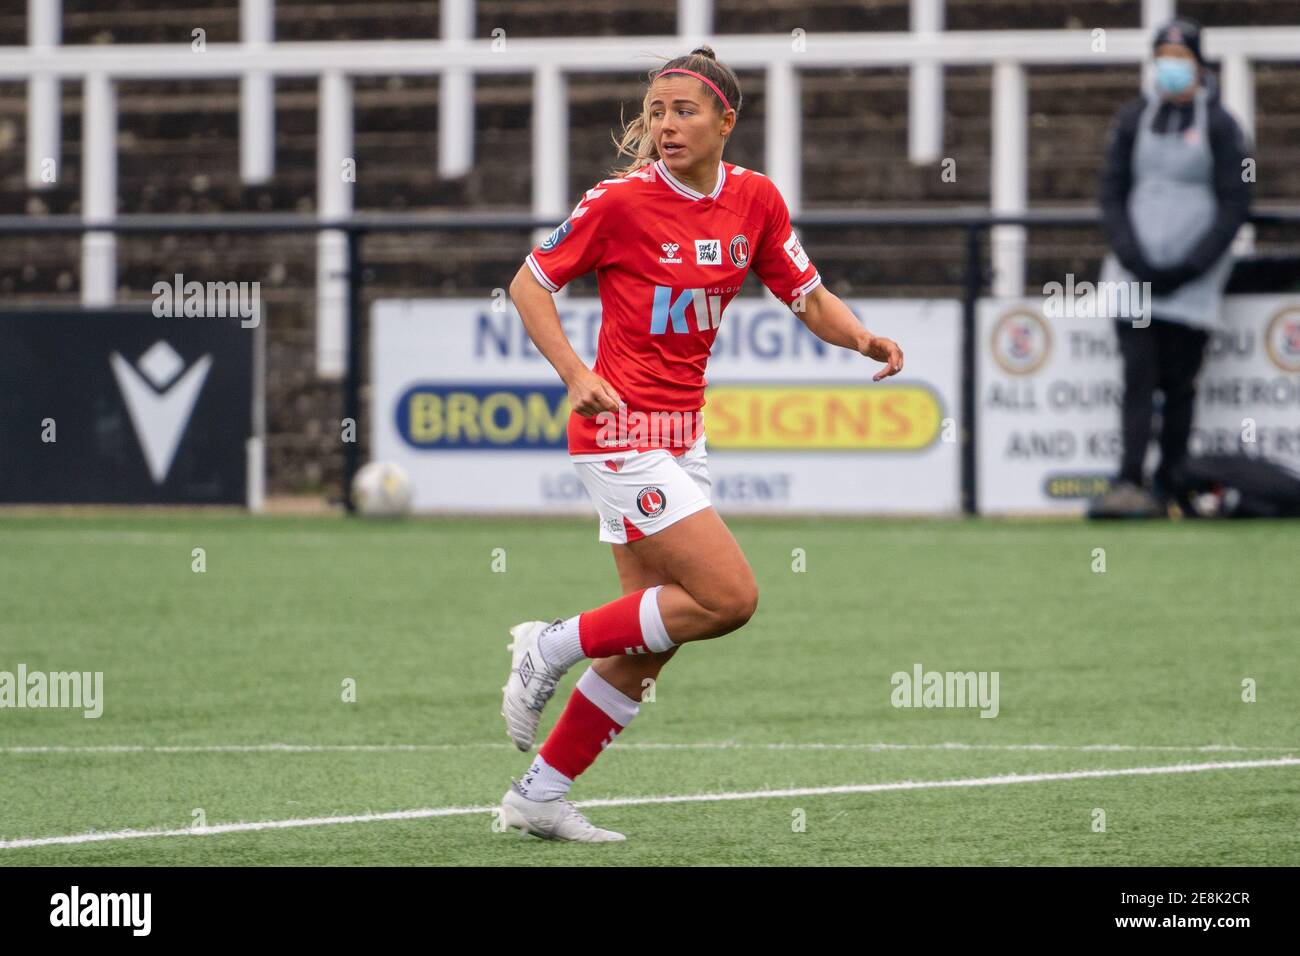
(651, 501)
(739, 251)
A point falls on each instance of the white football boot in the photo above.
(530, 685)
(551, 819)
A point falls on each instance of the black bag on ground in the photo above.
(1245, 487)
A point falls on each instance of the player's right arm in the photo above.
(589, 394)
(581, 244)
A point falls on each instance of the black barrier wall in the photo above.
(119, 406)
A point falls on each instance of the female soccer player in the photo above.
(671, 240)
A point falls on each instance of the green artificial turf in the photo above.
(1149, 655)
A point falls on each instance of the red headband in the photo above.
(702, 78)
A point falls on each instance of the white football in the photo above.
(382, 489)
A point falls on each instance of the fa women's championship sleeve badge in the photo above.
(558, 236)
(739, 251)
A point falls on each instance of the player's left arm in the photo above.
(828, 318)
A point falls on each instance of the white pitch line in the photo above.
(633, 745)
(1004, 780)
(250, 748)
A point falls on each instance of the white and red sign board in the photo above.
(1048, 394)
(464, 402)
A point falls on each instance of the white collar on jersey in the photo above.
(678, 186)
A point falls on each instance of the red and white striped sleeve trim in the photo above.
(540, 275)
(808, 286)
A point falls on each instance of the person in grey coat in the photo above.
(1173, 195)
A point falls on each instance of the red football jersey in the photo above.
(668, 260)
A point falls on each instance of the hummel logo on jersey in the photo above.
(707, 310)
(708, 252)
(670, 253)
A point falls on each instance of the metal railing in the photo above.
(458, 58)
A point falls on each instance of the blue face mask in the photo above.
(1174, 75)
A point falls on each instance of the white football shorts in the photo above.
(639, 493)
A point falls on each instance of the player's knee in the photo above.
(738, 606)
(748, 605)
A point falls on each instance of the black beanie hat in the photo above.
(1183, 32)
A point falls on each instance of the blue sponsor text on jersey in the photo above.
(706, 309)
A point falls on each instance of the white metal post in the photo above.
(925, 89)
(1238, 91)
(694, 20)
(456, 95)
(44, 30)
(1010, 176)
(550, 143)
(551, 200)
(335, 171)
(98, 188)
(1156, 12)
(256, 95)
(783, 137)
(783, 133)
